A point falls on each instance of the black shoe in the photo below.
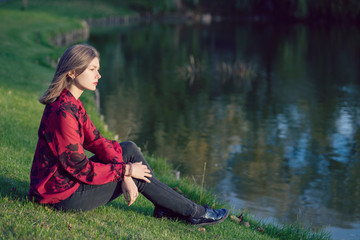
(160, 212)
(211, 216)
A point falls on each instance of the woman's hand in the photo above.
(129, 190)
(139, 171)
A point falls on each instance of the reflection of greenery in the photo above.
(334, 10)
(271, 135)
(237, 71)
(190, 71)
(226, 72)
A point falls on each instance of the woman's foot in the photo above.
(211, 216)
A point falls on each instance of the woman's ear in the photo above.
(71, 74)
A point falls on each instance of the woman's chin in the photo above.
(92, 89)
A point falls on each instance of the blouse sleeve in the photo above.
(107, 151)
(73, 159)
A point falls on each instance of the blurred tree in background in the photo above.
(337, 10)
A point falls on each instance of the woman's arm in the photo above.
(138, 170)
(107, 151)
(129, 190)
(72, 158)
(135, 170)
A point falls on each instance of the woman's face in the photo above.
(90, 77)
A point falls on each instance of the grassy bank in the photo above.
(25, 59)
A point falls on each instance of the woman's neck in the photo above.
(75, 91)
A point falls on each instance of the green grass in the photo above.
(75, 9)
(25, 73)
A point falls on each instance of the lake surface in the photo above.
(272, 110)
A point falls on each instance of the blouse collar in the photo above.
(67, 95)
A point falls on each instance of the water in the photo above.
(279, 134)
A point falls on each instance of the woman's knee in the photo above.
(129, 144)
(130, 147)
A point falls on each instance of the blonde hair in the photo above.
(76, 58)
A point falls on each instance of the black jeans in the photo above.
(88, 197)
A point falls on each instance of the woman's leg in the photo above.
(160, 194)
(169, 201)
(88, 197)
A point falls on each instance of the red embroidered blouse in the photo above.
(60, 164)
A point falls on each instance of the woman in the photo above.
(63, 177)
